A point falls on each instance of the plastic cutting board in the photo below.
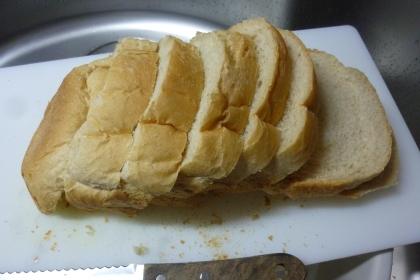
(314, 230)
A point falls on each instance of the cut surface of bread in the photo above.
(298, 127)
(387, 178)
(261, 138)
(215, 141)
(45, 162)
(160, 137)
(354, 140)
(101, 145)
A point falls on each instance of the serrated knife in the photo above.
(267, 267)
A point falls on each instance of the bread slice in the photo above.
(354, 143)
(387, 178)
(215, 141)
(261, 138)
(101, 145)
(298, 127)
(154, 160)
(45, 162)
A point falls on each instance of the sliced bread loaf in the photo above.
(354, 141)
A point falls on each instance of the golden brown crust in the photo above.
(160, 138)
(44, 164)
(101, 145)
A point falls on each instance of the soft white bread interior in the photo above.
(154, 160)
(261, 138)
(215, 141)
(354, 141)
(387, 178)
(45, 162)
(298, 127)
(100, 147)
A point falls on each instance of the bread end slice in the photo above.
(354, 143)
(45, 162)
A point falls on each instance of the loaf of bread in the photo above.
(244, 109)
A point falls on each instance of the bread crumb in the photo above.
(36, 259)
(47, 235)
(214, 243)
(242, 230)
(284, 250)
(106, 219)
(53, 246)
(140, 250)
(172, 247)
(181, 255)
(218, 257)
(90, 231)
(270, 237)
(182, 241)
(255, 217)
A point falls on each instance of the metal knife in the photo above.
(267, 267)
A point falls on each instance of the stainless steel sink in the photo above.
(41, 30)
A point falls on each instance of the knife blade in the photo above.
(271, 266)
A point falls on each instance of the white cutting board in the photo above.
(314, 230)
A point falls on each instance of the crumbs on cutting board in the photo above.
(270, 238)
(54, 246)
(140, 250)
(90, 231)
(47, 235)
(219, 257)
(255, 217)
(36, 259)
